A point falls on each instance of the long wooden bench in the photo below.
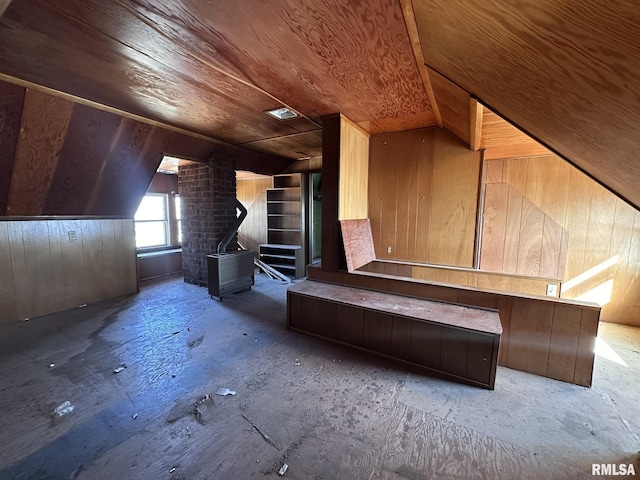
(459, 342)
(547, 336)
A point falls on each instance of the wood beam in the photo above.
(475, 131)
(412, 30)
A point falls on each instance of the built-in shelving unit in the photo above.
(285, 226)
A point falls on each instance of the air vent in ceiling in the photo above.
(282, 113)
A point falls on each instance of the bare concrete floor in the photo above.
(327, 411)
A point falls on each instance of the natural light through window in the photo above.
(605, 351)
(152, 221)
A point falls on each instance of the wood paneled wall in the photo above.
(252, 193)
(540, 247)
(423, 197)
(551, 337)
(354, 171)
(467, 277)
(53, 265)
(603, 255)
(58, 157)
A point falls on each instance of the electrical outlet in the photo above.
(389, 249)
(552, 290)
(72, 236)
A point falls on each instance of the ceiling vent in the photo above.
(282, 113)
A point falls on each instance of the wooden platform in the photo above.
(460, 342)
(547, 336)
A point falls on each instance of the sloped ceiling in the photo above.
(213, 68)
(567, 72)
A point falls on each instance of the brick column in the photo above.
(207, 191)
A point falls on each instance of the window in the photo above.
(158, 221)
(152, 221)
(178, 204)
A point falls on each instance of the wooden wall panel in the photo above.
(454, 106)
(87, 143)
(455, 198)
(500, 139)
(252, 194)
(423, 197)
(8, 305)
(50, 270)
(11, 103)
(602, 263)
(45, 121)
(354, 172)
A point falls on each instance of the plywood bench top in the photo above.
(477, 319)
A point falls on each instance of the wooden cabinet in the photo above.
(456, 341)
(286, 234)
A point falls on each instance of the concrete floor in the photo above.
(327, 411)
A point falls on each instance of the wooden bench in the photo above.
(459, 342)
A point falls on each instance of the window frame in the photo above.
(170, 223)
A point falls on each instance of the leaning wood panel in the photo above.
(530, 336)
(44, 127)
(11, 105)
(358, 243)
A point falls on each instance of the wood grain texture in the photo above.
(500, 139)
(11, 106)
(252, 194)
(47, 271)
(304, 145)
(476, 112)
(454, 106)
(555, 72)
(86, 144)
(315, 58)
(528, 342)
(354, 171)
(414, 36)
(422, 200)
(358, 243)
(565, 331)
(596, 257)
(45, 121)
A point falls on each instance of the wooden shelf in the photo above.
(285, 225)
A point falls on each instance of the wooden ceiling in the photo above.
(566, 72)
(213, 68)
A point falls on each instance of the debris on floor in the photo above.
(120, 368)
(266, 437)
(198, 409)
(51, 365)
(63, 409)
(196, 342)
(283, 470)
(224, 391)
(297, 363)
(134, 416)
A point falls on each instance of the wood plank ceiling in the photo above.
(213, 68)
(567, 73)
